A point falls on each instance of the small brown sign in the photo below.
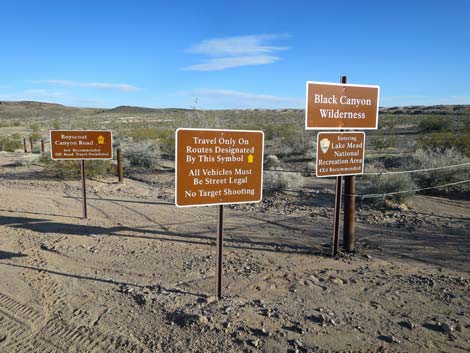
(340, 153)
(335, 106)
(81, 144)
(216, 167)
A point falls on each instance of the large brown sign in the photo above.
(340, 153)
(81, 144)
(335, 106)
(215, 167)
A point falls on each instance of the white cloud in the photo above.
(228, 62)
(229, 99)
(238, 51)
(241, 45)
(99, 85)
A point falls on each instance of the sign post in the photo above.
(219, 255)
(81, 145)
(333, 106)
(83, 174)
(218, 167)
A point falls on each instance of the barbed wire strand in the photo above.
(365, 173)
(368, 196)
(417, 170)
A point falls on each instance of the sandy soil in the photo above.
(138, 275)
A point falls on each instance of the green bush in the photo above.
(438, 141)
(463, 144)
(466, 123)
(436, 123)
(165, 138)
(382, 142)
(72, 170)
(11, 144)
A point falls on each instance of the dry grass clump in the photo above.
(278, 181)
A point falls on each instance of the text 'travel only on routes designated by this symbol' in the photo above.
(336, 106)
(216, 167)
(340, 153)
(81, 144)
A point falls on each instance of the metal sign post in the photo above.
(336, 225)
(218, 167)
(339, 187)
(349, 212)
(82, 165)
(220, 242)
(120, 166)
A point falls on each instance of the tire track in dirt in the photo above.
(19, 325)
(87, 339)
(11, 307)
(22, 329)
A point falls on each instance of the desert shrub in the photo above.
(277, 181)
(382, 142)
(438, 141)
(11, 144)
(34, 127)
(387, 122)
(271, 161)
(463, 144)
(71, 169)
(142, 134)
(466, 123)
(36, 136)
(309, 168)
(400, 184)
(435, 123)
(56, 124)
(166, 140)
(143, 155)
(27, 160)
(424, 159)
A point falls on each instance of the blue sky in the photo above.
(231, 54)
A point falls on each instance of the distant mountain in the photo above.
(430, 109)
(27, 109)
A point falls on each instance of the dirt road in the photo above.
(138, 275)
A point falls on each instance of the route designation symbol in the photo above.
(215, 167)
(340, 153)
(81, 144)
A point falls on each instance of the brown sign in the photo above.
(335, 106)
(215, 167)
(340, 153)
(81, 144)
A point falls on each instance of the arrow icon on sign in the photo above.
(250, 158)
